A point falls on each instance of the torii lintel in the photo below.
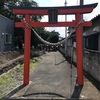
(61, 10)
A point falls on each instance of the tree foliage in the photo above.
(54, 36)
(19, 32)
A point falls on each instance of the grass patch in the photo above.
(34, 62)
(13, 77)
(9, 80)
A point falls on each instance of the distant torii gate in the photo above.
(53, 12)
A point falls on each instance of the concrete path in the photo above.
(51, 79)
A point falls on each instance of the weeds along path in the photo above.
(13, 78)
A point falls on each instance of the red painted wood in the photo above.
(46, 24)
(79, 51)
(27, 52)
(45, 12)
(20, 24)
(87, 23)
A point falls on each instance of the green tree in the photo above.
(1, 3)
(54, 36)
(19, 32)
(42, 33)
(3, 10)
(28, 3)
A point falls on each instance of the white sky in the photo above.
(51, 3)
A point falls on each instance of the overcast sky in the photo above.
(51, 3)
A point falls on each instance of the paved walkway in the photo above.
(51, 80)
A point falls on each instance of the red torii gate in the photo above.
(77, 10)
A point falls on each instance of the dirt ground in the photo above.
(7, 56)
(9, 59)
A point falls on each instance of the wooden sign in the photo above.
(53, 16)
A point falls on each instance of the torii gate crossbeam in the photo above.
(77, 10)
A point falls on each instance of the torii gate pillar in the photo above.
(26, 52)
(79, 50)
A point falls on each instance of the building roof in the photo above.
(96, 18)
(6, 18)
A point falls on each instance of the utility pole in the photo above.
(81, 3)
(65, 32)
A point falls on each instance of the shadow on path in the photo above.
(76, 93)
(60, 62)
(13, 92)
(45, 94)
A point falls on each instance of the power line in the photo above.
(65, 31)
